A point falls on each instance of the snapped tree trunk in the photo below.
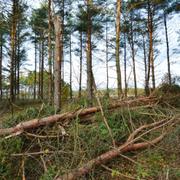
(167, 45)
(118, 69)
(57, 63)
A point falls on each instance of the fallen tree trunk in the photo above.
(104, 158)
(19, 128)
(129, 145)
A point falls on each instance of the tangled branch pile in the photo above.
(72, 149)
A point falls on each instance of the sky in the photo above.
(99, 67)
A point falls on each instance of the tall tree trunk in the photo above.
(145, 64)
(62, 56)
(125, 67)
(39, 77)
(151, 56)
(1, 57)
(133, 58)
(15, 62)
(42, 70)
(18, 64)
(13, 37)
(89, 55)
(167, 45)
(49, 53)
(118, 69)
(80, 64)
(70, 61)
(107, 61)
(57, 63)
(35, 66)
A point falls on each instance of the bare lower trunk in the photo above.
(89, 56)
(39, 77)
(125, 67)
(12, 53)
(70, 80)
(133, 58)
(42, 70)
(57, 63)
(145, 66)
(35, 67)
(118, 69)
(151, 53)
(49, 54)
(80, 64)
(167, 45)
(107, 62)
(1, 57)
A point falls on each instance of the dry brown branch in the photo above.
(21, 127)
(39, 153)
(118, 173)
(104, 158)
(129, 145)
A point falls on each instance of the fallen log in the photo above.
(19, 128)
(129, 145)
(104, 158)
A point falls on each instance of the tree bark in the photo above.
(12, 53)
(42, 69)
(70, 59)
(57, 63)
(118, 69)
(125, 67)
(50, 92)
(80, 64)
(145, 65)
(107, 61)
(89, 55)
(18, 63)
(39, 77)
(1, 57)
(151, 54)
(133, 57)
(35, 66)
(167, 45)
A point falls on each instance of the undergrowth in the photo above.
(84, 141)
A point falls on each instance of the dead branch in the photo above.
(129, 145)
(104, 158)
(21, 127)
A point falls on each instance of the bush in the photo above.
(169, 89)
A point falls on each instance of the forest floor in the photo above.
(53, 150)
